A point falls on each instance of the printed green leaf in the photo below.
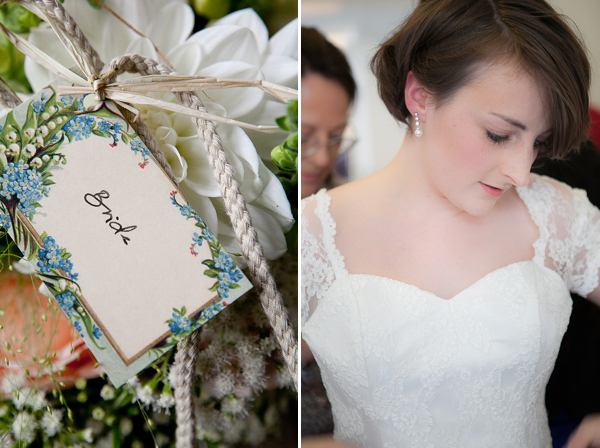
(209, 263)
(89, 326)
(211, 273)
(30, 123)
(100, 133)
(11, 125)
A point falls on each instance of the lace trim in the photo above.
(539, 212)
(329, 231)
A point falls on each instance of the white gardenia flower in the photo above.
(235, 47)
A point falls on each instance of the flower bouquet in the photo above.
(53, 391)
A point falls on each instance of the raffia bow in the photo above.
(100, 79)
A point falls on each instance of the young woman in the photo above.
(436, 291)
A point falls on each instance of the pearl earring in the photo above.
(418, 131)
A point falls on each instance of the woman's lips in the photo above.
(310, 177)
(492, 191)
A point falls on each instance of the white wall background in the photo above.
(358, 26)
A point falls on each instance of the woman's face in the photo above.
(325, 106)
(483, 140)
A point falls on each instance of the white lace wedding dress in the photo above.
(405, 368)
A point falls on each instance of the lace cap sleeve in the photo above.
(569, 232)
(320, 259)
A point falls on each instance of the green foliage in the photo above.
(18, 19)
(285, 156)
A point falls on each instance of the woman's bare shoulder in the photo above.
(350, 198)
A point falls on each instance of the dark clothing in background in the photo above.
(574, 387)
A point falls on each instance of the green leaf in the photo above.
(214, 287)
(292, 112)
(89, 326)
(292, 141)
(211, 273)
(284, 123)
(11, 125)
(96, 3)
(210, 263)
(234, 286)
(125, 138)
(286, 160)
(100, 133)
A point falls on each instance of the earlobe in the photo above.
(415, 96)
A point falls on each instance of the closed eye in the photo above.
(497, 138)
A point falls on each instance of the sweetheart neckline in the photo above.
(342, 260)
(455, 296)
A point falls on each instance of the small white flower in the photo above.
(11, 136)
(29, 132)
(13, 149)
(171, 377)
(45, 116)
(87, 435)
(29, 150)
(233, 405)
(43, 130)
(19, 397)
(62, 283)
(98, 413)
(45, 157)
(224, 383)
(38, 141)
(52, 109)
(51, 422)
(24, 426)
(145, 395)
(166, 401)
(59, 120)
(51, 125)
(56, 160)
(37, 400)
(2, 148)
(107, 392)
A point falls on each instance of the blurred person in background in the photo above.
(328, 90)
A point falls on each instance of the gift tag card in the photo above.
(128, 260)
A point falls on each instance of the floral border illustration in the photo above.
(220, 267)
(28, 155)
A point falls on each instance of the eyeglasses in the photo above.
(337, 143)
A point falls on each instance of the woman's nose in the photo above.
(518, 164)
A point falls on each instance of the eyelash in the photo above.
(499, 139)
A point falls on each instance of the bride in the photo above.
(435, 293)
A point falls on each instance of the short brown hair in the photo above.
(321, 57)
(444, 41)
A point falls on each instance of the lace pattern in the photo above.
(403, 367)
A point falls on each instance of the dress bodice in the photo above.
(403, 367)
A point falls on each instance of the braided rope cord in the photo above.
(185, 358)
(8, 98)
(235, 205)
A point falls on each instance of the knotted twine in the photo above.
(185, 358)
